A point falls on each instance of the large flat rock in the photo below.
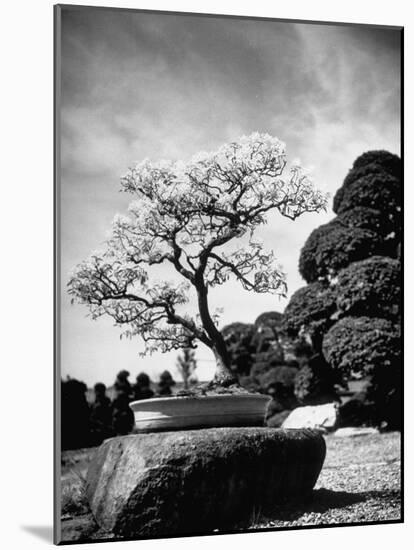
(195, 481)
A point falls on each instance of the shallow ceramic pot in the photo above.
(177, 413)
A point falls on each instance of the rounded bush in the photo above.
(265, 360)
(332, 247)
(314, 382)
(378, 191)
(362, 345)
(310, 310)
(238, 338)
(366, 218)
(370, 287)
(362, 171)
(269, 319)
(388, 161)
(268, 334)
(280, 376)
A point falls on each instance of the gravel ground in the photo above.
(359, 483)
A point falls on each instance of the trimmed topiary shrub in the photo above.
(370, 287)
(265, 360)
(332, 247)
(378, 191)
(356, 258)
(280, 376)
(366, 218)
(310, 309)
(267, 331)
(357, 346)
(269, 319)
(361, 171)
(388, 161)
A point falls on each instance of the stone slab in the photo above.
(196, 481)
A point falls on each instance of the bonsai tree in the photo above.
(186, 365)
(187, 216)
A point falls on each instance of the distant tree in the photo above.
(370, 287)
(165, 384)
(75, 427)
(182, 216)
(238, 338)
(122, 384)
(269, 320)
(256, 348)
(100, 415)
(122, 416)
(142, 387)
(268, 344)
(186, 365)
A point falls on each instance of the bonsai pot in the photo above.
(180, 413)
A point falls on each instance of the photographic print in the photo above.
(229, 207)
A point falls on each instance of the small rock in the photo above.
(354, 432)
(317, 417)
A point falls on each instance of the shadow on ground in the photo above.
(325, 500)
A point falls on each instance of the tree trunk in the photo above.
(223, 375)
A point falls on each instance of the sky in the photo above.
(163, 86)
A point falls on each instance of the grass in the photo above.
(359, 483)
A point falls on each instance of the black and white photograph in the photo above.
(229, 248)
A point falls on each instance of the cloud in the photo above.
(138, 85)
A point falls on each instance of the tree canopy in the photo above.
(357, 346)
(184, 215)
(379, 191)
(366, 218)
(310, 310)
(370, 287)
(388, 161)
(332, 246)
